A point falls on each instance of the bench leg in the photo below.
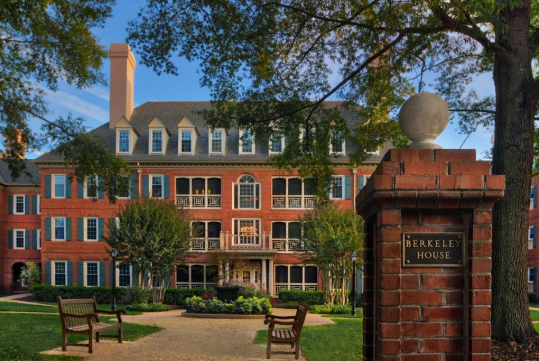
(297, 349)
(292, 345)
(64, 339)
(268, 351)
(91, 342)
(120, 334)
(97, 337)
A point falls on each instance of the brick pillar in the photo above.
(433, 313)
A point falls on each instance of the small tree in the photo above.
(30, 275)
(330, 237)
(152, 235)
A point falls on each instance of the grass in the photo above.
(536, 326)
(23, 336)
(35, 308)
(21, 307)
(341, 341)
(534, 315)
(344, 315)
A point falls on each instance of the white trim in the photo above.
(118, 131)
(193, 141)
(282, 144)
(85, 226)
(53, 186)
(117, 275)
(235, 231)
(53, 229)
(53, 273)
(85, 187)
(15, 238)
(15, 204)
(223, 141)
(38, 205)
(253, 145)
(128, 177)
(254, 184)
(150, 183)
(529, 274)
(530, 238)
(287, 238)
(374, 152)
(343, 152)
(85, 273)
(163, 141)
(38, 240)
(343, 186)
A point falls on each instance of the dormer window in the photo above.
(276, 143)
(187, 136)
(126, 137)
(123, 137)
(247, 144)
(187, 141)
(157, 140)
(337, 143)
(217, 141)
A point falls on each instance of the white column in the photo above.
(264, 280)
(189, 276)
(227, 271)
(220, 274)
(270, 281)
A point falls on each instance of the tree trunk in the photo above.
(512, 156)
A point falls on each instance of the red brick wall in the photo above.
(533, 254)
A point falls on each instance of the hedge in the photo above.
(48, 293)
(532, 298)
(242, 306)
(302, 297)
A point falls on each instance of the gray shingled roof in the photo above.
(171, 113)
(24, 179)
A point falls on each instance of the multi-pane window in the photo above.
(531, 275)
(291, 193)
(59, 229)
(337, 143)
(157, 141)
(247, 193)
(60, 273)
(295, 277)
(198, 192)
(124, 187)
(286, 236)
(196, 276)
(123, 136)
(533, 196)
(531, 233)
(246, 232)
(157, 186)
(246, 142)
(277, 142)
(91, 187)
(187, 141)
(18, 236)
(92, 274)
(19, 204)
(206, 235)
(337, 187)
(59, 186)
(216, 145)
(91, 229)
(124, 275)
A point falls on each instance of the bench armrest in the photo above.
(279, 317)
(77, 315)
(281, 323)
(123, 312)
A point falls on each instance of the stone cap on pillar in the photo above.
(430, 179)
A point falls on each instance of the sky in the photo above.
(93, 103)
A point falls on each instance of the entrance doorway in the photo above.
(16, 270)
(246, 275)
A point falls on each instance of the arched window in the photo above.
(247, 193)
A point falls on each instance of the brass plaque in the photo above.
(442, 249)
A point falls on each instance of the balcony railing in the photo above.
(195, 285)
(293, 202)
(206, 244)
(198, 201)
(286, 245)
(237, 241)
(295, 286)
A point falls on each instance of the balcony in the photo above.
(293, 202)
(206, 244)
(196, 201)
(286, 245)
(295, 286)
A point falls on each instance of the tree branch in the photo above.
(534, 41)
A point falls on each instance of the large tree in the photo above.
(271, 64)
(42, 43)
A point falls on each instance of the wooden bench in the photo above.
(289, 336)
(82, 316)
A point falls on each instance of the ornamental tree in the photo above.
(270, 65)
(330, 236)
(152, 235)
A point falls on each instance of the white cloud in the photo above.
(78, 105)
(99, 92)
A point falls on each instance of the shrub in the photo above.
(330, 309)
(48, 293)
(178, 296)
(532, 297)
(30, 275)
(149, 307)
(244, 306)
(140, 294)
(302, 297)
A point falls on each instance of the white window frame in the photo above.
(150, 145)
(85, 271)
(15, 204)
(53, 271)
(38, 241)
(301, 137)
(182, 199)
(53, 229)
(531, 198)
(128, 188)
(180, 140)
(287, 238)
(190, 283)
(529, 275)
(223, 141)
(242, 133)
(86, 187)
(38, 205)
(255, 184)
(374, 152)
(289, 285)
(117, 275)
(150, 191)
(206, 237)
(85, 223)
(343, 185)
(15, 238)
(304, 197)
(530, 238)
(271, 143)
(119, 132)
(343, 152)
(53, 191)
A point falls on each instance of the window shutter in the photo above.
(48, 272)
(360, 183)
(111, 273)
(34, 204)
(80, 189)
(10, 205)
(236, 196)
(534, 193)
(534, 270)
(534, 236)
(257, 196)
(34, 239)
(133, 185)
(68, 229)
(70, 273)
(26, 204)
(47, 186)
(47, 229)
(27, 239)
(101, 231)
(166, 185)
(68, 186)
(100, 190)
(80, 273)
(10, 238)
(347, 188)
(102, 274)
(145, 186)
(80, 229)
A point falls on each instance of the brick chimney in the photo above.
(14, 144)
(122, 82)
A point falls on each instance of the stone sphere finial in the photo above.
(423, 117)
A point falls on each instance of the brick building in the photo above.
(533, 251)
(246, 211)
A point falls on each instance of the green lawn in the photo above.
(21, 307)
(345, 315)
(341, 341)
(534, 315)
(536, 326)
(23, 336)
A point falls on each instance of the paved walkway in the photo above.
(16, 298)
(187, 338)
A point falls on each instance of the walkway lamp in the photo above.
(114, 254)
(354, 283)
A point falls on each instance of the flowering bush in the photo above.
(243, 306)
(247, 290)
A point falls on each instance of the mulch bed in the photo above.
(527, 351)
